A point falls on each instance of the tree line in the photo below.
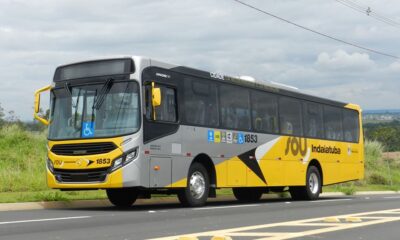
(386, 133)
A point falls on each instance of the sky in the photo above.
(219, 36)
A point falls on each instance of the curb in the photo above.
(142, 202)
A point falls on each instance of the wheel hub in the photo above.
(197, 185)
(313, 183)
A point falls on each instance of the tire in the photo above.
(247, 194)
(313, 186)
(122, 197)
(198, 187)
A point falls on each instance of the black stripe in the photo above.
(250, 160)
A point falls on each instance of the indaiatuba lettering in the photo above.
(325, 149)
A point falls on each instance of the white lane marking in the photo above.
(332, 200)
(288, 202)
(44, 220)
(234, 206)
(392, 197)
(252, 231)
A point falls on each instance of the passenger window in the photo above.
(167, 111)
(234, 107)
(313, 120)
(290, 116)
(351, 125)
(264, 112)
(333, 123)
(200, 102)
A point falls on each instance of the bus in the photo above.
(135, 126)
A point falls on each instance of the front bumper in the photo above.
(112, 180)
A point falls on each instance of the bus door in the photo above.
(160, 126)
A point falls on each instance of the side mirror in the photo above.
(155, 96)
(37, 105)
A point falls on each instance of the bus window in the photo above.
(264, 112)
(234, 107)
(167, 111)
(350, 125)
(290, 116)
(313, 120)
(200, 102)
(333, 123)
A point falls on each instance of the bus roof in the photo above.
(256, 84)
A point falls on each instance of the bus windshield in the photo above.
(94, 110)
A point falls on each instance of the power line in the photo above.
(368, 11)
(316, 32)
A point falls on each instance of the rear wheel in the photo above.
(122, 197)
(247, 194)
(198, 187)
(313, 186)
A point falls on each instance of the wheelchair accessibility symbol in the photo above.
(87, 129)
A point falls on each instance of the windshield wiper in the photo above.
(76, 109)
(98, 101)
(68, 90)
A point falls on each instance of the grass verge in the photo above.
(22, 170)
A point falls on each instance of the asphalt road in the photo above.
(267, 219)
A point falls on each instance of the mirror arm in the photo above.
(37, 105)
(154, 108)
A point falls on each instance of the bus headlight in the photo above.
(124, 159)
(117, 164)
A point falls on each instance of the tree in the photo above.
(1, 115)
(388, 134)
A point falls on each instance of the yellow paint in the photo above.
(113, 180)
(237, 173)
(286, 168)
(221, 238)
(37, 104)
(353, 219)
(217, 136)
(332, 220)
(187, 238)
(177, 184)
(261, 231)
(80, 162)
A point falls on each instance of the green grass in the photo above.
(380, 173)
(22, 160)
(50, 195)
(23, 176)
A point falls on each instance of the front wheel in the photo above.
(313, 186)
(122, 197)
(198, 187)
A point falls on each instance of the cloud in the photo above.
(341, 60)
(395, 67)
(222, 36)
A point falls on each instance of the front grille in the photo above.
(88, 175)
(83, 148)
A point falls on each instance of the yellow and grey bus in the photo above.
(135, 127)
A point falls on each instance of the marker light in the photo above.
(50, 165)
